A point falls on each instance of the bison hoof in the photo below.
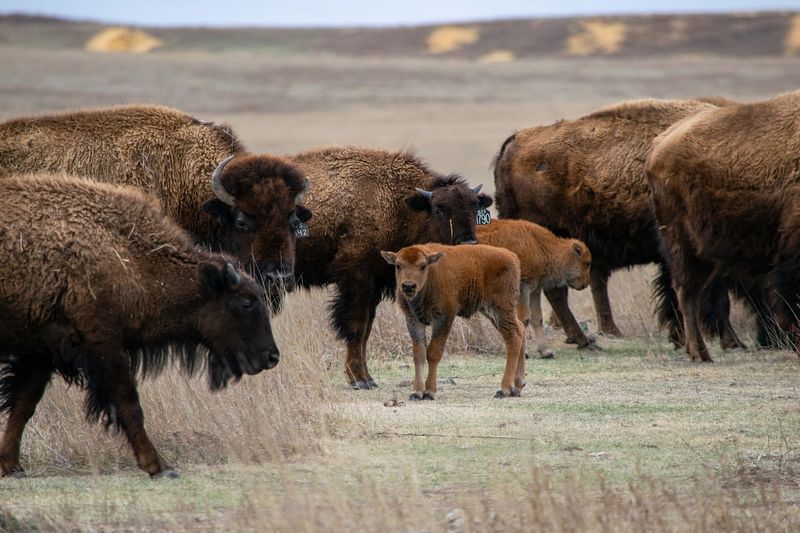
(371, 384)
(515, 392)
(591, 346)
(611, 331)
(428, 396)
(360, 385)
(547, 354)
(416, 396)
(166, 474)
(501, 395)
(16, 473)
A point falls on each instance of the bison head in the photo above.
(451, 206)
(259, 205)
(579, 264)
(233, 323)
(411, 268)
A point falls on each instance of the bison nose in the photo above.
(279, 276)
(409, 288)
(272, 358)
(467, 240)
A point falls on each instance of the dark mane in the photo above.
(446, 181)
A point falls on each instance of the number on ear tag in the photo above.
(301, 230)
(483, 217)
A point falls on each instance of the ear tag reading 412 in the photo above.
(301, 230)
(483, 216)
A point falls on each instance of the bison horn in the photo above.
(477, 189)
(233, 277)
(218, 188)
(426, 194)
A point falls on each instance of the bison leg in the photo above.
(21, 387)
(441, 330)
(560, 304)
(513, 333)
(112, 392)
(419, 341)
(690, 277)
(535, 310)
(519, 376)
(602, 305)
(717, 306)
(351, 312)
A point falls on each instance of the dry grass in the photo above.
(122, 40)
(449, 38)
(597, 37)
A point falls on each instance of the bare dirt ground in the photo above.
(631, 438)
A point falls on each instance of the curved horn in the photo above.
(423, 192)
(218, 188)
(233, 277)
(477, 189)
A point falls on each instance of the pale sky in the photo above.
(357, 13)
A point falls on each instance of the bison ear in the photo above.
(434, 258)
(578, 248)
(418, 202)
(389, 257)
(213, 276)
(484, 201)
(303, 213)
(217, 208)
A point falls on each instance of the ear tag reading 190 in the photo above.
(483, 216)
(301, 230)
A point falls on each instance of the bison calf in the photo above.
(96, 284)
(546, 262)
(436, 283)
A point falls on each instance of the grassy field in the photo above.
(632, 438)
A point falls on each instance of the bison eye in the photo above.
(243, 222)
(438, 212)
(542, 166)
(247, 304)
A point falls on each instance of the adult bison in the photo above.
(585, 179)
(365, 201)
(95, 283)
(725, 186)
(248, 207)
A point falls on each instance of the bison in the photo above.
(436, 283)
(585, 179)
(364, 201)
(248, 207)
(546, 262)
(724, 188)
(97, 284)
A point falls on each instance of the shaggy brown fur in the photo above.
(725, 185)
(170, 155)
(97, 282)
(546, 262)
(436, 283)
(585, 179)
(364, 201)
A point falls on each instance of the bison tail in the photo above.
(504, 190)
(667, 310)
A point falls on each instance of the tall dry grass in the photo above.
(285, 411)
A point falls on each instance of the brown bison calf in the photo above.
(436, 283)
(364, 201)
(546, 262)
(96, 284)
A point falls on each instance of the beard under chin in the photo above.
(221, 372)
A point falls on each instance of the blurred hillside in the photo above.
(752, 34)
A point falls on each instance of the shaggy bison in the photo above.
(248, 208)
(546, 262)
(365, 201)
(725, 186)
(97, 283)
(585, 179)
(436, 283)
